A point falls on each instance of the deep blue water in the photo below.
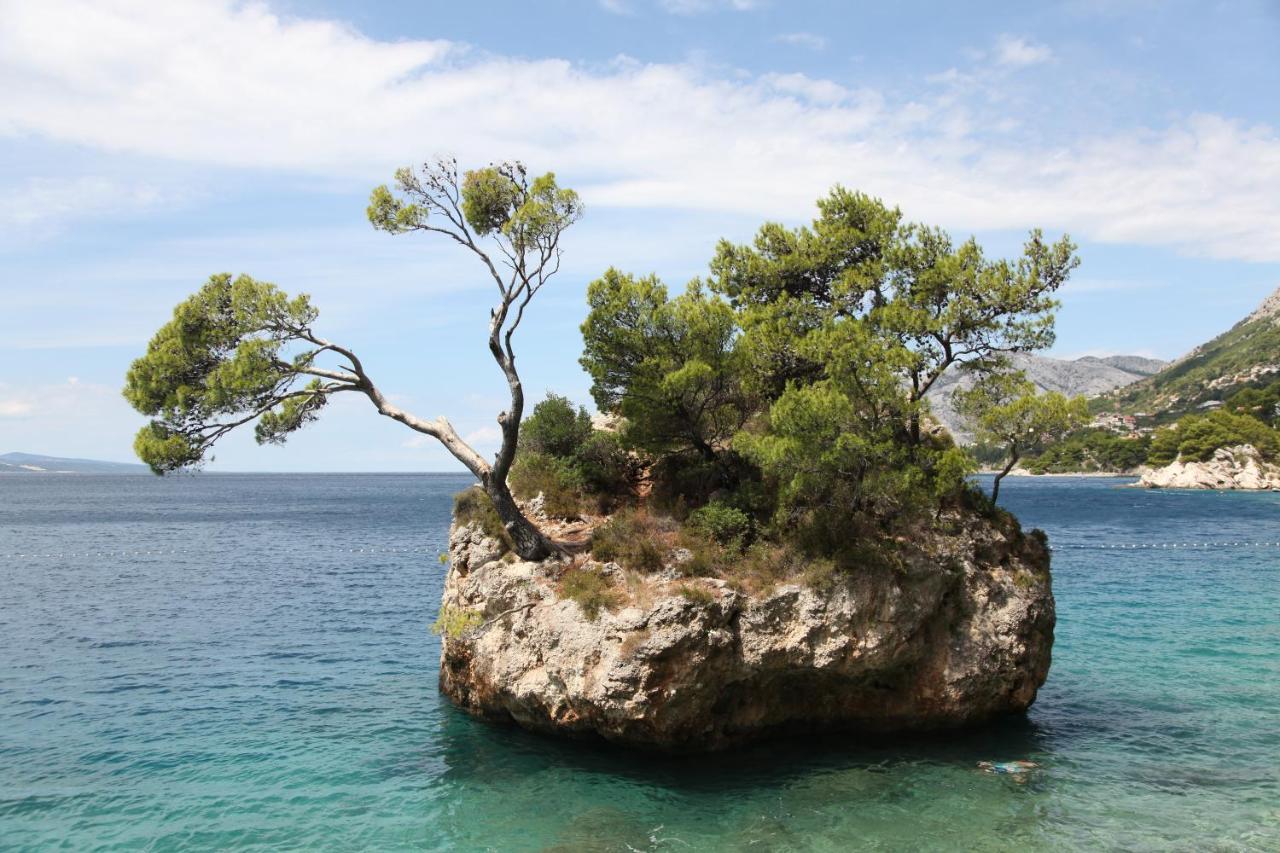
(265, 677)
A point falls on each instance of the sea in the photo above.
(246, 662)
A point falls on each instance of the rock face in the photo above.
(1230, 468)
(693, 664)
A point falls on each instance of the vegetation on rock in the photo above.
(781, 401)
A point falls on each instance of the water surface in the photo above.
(253, 668)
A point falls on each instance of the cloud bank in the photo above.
(230, 85)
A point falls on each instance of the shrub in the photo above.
(720, 522)
(473, 504)
(555, 428)
(1196, 437)
(696, 594)
(557, 481)
(605, 466)
(629, 538)
(453, 622)
(590, 589)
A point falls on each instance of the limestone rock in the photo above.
(940, 642)
(1230, 468)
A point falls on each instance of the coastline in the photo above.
(1022, 472)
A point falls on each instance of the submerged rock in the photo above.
(1239, 467)
(695, 664)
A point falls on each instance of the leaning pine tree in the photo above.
(241, 350)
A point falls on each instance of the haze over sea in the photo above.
(262, 675)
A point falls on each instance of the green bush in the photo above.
(473, 504)
(720, 522)
(558, 481)
(628, 539)
(555, 428)
(605, 466)
(1196, 437)
(453, 622)
(590, 589)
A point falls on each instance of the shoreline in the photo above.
(1063, 475)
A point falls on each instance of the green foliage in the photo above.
(1090, 449)
(668, 366)
(1005, 409)
(497, 200)
(630, 539)
(606, 468)
(221, 362)
(473, 504)
(570, 462)
(556, 479)
(1185, 385)
(1261, 403)
(723, 523)
(590, 589)
(1196, 437)
(453, 622)
(804, 385)
(555, 428)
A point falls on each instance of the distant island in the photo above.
(33, 463)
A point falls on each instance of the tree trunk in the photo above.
(528, 541)
(995, 484)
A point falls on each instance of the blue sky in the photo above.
(144, 146)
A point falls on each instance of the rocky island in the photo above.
(772, 533)
(959, 633)
(1241, 467)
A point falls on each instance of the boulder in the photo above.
(958, 634)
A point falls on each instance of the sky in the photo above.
(145, 146)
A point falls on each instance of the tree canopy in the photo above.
(1006, 410)
(801, 364)
(240, 350)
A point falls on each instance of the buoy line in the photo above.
(165, 552)
(1158, 546)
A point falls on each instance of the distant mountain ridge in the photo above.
(32, 463)
(1246, 354)
(1090, 376)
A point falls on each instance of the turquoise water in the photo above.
(269, 681)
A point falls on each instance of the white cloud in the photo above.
(808, 41)
(617, 7)
(1019, 52)
(37, 201)
(319, 98)
(16, 408)
(695, 7)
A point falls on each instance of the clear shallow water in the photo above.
(266, 687)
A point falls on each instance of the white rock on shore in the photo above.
(1238, 467)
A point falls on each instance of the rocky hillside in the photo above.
(1246, 354)
(1089, 376)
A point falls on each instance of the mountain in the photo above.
(31, 463)
(1246, 354)
(1089, 376)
